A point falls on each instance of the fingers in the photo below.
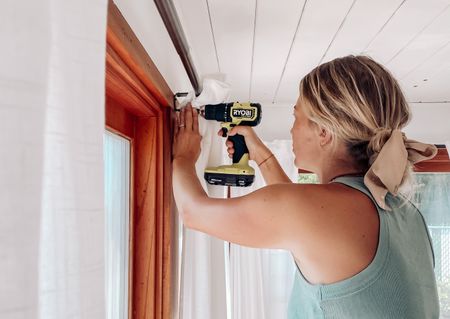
(235, 130)
(182, 123)
(195, 120)
(241, 130)
(176, 123)
(188, 117)
(230, 148)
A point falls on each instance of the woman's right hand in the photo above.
(256, 148)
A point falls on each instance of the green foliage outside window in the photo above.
(307, 178)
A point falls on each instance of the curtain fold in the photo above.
(261, 279)
(203, 282)
(52, 74)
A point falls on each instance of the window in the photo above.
(432, 197)
(138, 118)
(117, 211)
(307, 178)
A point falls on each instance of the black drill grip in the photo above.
(240, 148)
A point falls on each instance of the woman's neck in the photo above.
(329, 172)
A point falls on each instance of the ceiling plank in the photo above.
(410, 20)
(233, 25)
(194, 16)
(363, 23)
(275, 30)
(441, 18)
(435, 88)
(319, 24)
(428, 80)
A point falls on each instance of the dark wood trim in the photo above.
(139, 107)
(118, 119)
(168, 211)
(122, 39)
(127, 88)
(144, 227)
(440, 163)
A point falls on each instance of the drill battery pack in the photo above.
(230, 176)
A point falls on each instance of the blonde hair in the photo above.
(358, 101)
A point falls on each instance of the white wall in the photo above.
(144, 19)
(276, 122)
(430, 122)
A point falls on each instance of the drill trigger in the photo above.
(224, 132)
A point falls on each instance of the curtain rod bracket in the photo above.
(175, 101)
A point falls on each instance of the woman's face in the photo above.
(305, 140)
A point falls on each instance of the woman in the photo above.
(361, 249)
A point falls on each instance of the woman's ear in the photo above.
(325, 136)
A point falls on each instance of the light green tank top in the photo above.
(398, 283)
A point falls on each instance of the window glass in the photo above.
(433, 200)
(307, 178)
(117, 211)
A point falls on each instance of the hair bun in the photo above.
(376, 143)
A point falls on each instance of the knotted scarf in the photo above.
(389, 167)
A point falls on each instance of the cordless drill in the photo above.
(231, 115)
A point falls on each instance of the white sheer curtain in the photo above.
(203, 282)
(51, 173)
(261, 279)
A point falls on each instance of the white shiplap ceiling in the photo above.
(264, 59)
(264, 47)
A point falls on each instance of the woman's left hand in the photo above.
(186, 145)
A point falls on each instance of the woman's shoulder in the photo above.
(327, 210)
(342, 236)
(331, 198)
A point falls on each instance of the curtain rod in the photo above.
(170, 18)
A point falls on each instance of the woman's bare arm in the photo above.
(270, 168)
(272, 171)
(280, 216)
(263, 219)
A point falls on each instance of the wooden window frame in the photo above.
(139, 107)
(439, 164)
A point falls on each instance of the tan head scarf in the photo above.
(390, 166)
